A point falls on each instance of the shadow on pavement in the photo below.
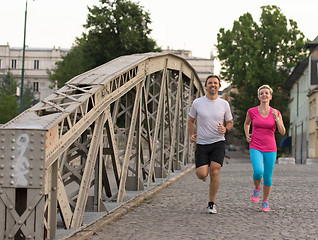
(236, 157)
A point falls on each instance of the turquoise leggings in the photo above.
(263, 165)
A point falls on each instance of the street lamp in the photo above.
(23, 56)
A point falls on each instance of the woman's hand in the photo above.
(275, 114)
(248, 138)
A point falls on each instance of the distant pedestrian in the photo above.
(263, 149)
(210, 112)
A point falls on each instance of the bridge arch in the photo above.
(117, 127)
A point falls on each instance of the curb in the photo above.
(86, 231)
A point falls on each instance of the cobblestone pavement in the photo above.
(179, 211)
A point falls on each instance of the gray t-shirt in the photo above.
(209, 113)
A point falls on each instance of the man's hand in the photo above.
(193, 138)
(221, 128)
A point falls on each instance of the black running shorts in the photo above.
(204, 154)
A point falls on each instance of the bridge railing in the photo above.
(114, 128)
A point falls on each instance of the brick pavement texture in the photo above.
(179, 211)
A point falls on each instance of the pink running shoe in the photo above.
(265, 206)
(255, 196)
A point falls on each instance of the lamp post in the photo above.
(23, 56)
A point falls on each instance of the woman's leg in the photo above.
(269, 163)
(258, 167)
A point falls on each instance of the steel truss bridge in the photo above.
(115, 128)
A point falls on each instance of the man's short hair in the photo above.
(212, 76)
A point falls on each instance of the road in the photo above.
(179, 211)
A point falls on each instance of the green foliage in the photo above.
(27, 95)
(8, 101)
(115, 28)
(254, 54)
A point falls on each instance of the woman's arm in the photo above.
(279, 122)
(247, 125)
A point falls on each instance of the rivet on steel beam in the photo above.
(12, 176)
(12, 148)
(20, 222)
(41, 167)
(30, 183)
(2, 156)
(1, 182)
(13, 133)
(1, 175)
(12, 157)
(31, 158)
(12, 167)
(11, 182)
(42, 141)
(41, 176)
(54, 188)
(2, 166)
(31, 149)
(29, 236)
(2, 148)
(42, 134)
(41, 193)
(10, 207)
(31, 167)
(42, 149)
(1, 191)
(2, 140)
(13, 140)
(41, 184)
(10, 236)
(42, 158)
(31, 176)
(30, 208)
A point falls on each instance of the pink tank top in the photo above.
(263, 131)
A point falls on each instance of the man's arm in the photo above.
(191, 127)
(229, 125)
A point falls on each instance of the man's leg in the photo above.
(202, 172)
(214, 180)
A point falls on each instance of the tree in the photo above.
(8, 100)
(115, 28)
(252, 55)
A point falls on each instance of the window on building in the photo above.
(14, 64)
(35, 86)
(36, 64)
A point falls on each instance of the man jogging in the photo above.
(210, 112)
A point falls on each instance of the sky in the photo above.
(177, 24)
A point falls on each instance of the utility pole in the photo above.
(23, 56)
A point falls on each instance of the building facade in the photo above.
(301, 82)
(37, 63)
(203, 66)
(313, 125)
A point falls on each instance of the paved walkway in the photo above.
(179, 211)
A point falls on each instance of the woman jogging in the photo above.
(263, 149)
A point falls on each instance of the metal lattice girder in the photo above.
(115, 128)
